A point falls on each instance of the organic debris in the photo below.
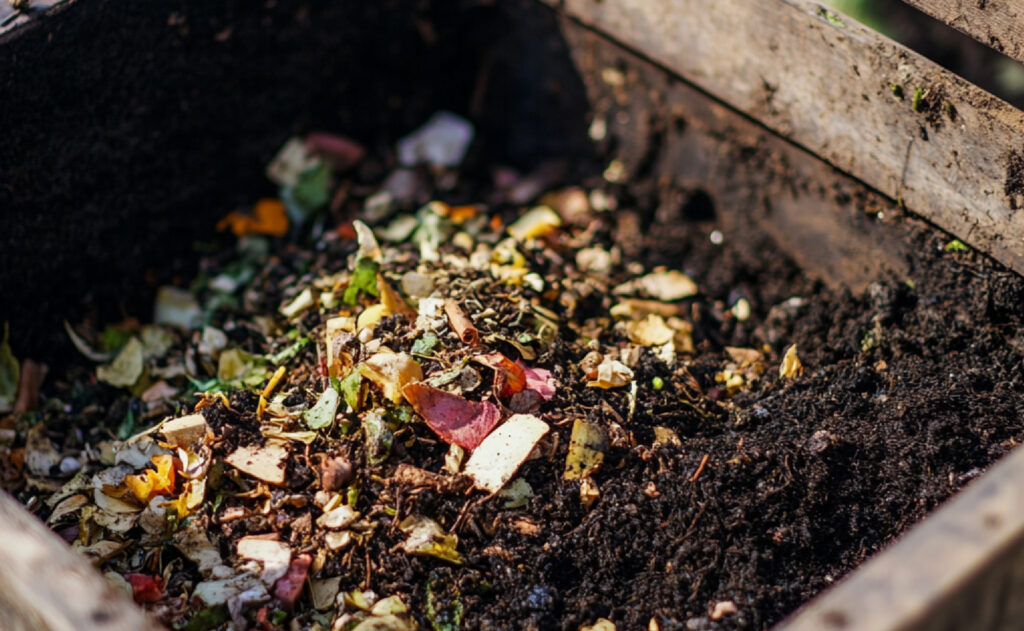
(377, 414)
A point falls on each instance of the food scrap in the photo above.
(409, 388)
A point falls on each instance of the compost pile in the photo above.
(406, 398)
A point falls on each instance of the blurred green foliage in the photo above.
(868, 12)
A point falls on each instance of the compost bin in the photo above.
(461, 315)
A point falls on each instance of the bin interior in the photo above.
(130, 129)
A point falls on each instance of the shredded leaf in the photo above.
(424, 344)
(956, 245)
(268, 217)
(495, 461)
(126, 368)
(586, 449)
(425, 537)
(509, 377)
(651, 331)
(288, 353)
(535, 223)
(391, 372)
(517, 493)
(378, 438)
(311, 191)
(236, 366)
(791, 365)
(322, 414)
(364, 279)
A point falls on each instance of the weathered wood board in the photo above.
(998, 24)
(962, 568)
(947, 149)
(45, 586)
(674, 140)
(12, 19)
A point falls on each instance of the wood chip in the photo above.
(273, 555)
(500, 455)
(338, 518)
(185, 431)
(265, 463)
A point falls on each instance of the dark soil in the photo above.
(910, 390)
(804, 481)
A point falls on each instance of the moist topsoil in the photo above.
(776, 487)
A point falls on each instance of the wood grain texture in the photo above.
(999, 24)
(45, 586)
(961, 569)
(950, 151)
(674, 141)
(14, 20)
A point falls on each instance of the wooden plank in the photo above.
(677, 141)
(44, 585)
(959, 570)
(998, 24)
(13, 20)
(873, 108)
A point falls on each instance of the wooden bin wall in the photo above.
(120, 154)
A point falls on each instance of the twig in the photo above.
(700, 468)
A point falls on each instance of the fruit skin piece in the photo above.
(454, 419)
(500, 455)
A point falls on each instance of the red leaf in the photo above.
(340, 152)
(145, 588)
(509, 377)
(454, 419)
(539, 380)
(288, 588)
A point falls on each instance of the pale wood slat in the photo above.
(45, 586)
(847, 94)
(998, 24)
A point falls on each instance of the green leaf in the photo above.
(239, 368)
(400, 416)
(424, 344)
(322, 414)
(312, 191)
(114, 338)
(207, 619)
(288, 353)
(364, 279)
(918, 101)
(127, 427)
(210, 386)
(10, 372)
(351, 387)
(956, 245)
(378, 438)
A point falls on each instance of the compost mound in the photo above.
(712, 455)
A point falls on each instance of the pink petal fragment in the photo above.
(288, 587)
(539, 380)
(454, 419)
(340, 152)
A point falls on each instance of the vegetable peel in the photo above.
(453, 418)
